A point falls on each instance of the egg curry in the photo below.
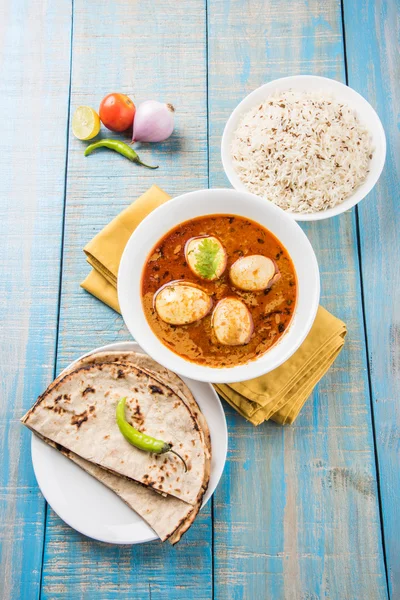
(219, 290)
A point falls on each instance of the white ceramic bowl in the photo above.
(337, 90)
(207, 202)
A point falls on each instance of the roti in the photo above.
(145, 362)
(166, 515)
(78, 412)
(157, 371)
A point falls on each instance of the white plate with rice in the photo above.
(311, 145)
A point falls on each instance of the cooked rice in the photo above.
(303, 151)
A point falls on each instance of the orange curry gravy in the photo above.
(271, 309)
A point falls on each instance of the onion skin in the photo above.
(154, 122)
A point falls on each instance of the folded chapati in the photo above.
(157, 371)
(78, 413)
(166, 515)
(144, 362)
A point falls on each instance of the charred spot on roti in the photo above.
(106, 437)
(138, 415)
(195, 424)
(92, 408)
(120, 374)
(55, 408)
(79, 419)
(58, 398)
(137, 412)
(154, 389)
(88, 390)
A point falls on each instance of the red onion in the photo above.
(154, 122)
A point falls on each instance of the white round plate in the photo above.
(89, 506)
(340, 92)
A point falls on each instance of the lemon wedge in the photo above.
(85, 123)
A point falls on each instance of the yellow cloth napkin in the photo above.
(105, 250)
(278, 395)
(281, 394)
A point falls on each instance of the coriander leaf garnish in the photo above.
(208, 257)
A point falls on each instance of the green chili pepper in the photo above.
(119, 147)
(141, 440)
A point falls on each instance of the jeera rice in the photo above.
(303, 151)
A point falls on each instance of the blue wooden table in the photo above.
(308, 511)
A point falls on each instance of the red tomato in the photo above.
(117, 112)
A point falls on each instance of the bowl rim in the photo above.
(360, 193)
(153, 345)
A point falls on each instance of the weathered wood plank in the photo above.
(156, 50)
(372, 41)
(34, 66)
(297, 514)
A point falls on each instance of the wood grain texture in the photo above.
(297, 513)
(156, 51)
(373, 37)
(34, 66)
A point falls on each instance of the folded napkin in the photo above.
(281, 394)
(278, 395)
(105, 250)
